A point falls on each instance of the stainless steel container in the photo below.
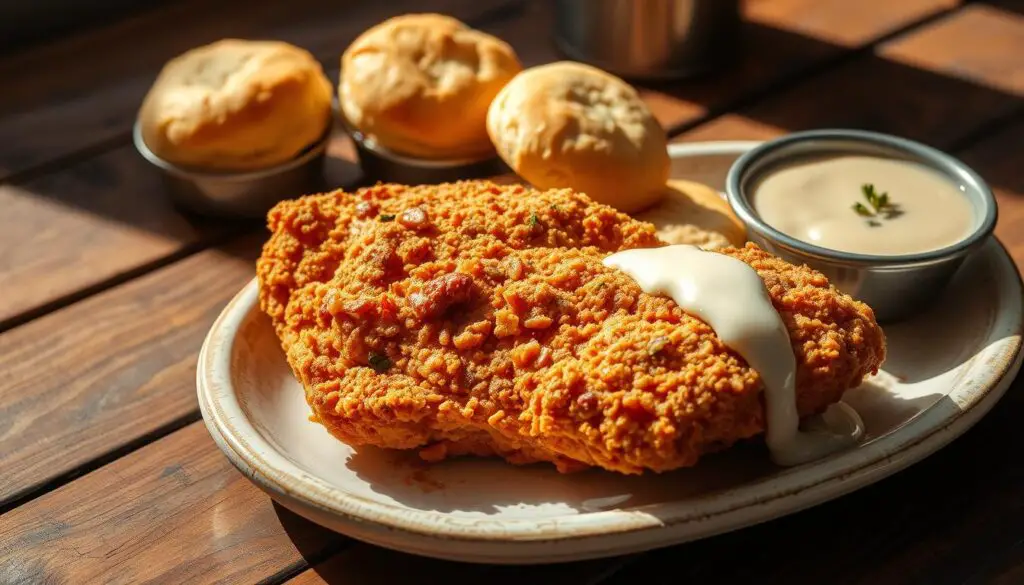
(896, 287)
(650, 39)
(244, 194)
(381, 164)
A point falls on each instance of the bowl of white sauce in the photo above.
(886, 219)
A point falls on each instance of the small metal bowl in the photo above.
(655, 40)
(241, 194)
(380, 164)
(895, 287)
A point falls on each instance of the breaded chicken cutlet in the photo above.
(472, 318)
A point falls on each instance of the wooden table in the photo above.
(107, 474)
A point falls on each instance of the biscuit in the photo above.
(420, 85)
(237, 105)
(695, 214)
(571, 125)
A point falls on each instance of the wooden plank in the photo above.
(165, 542)
(860, 21)
(784, 40)
(988, 43)
(906, 87)
(899, 99)
(137, 45)
(85, 92)
(103, 217)
(88, 223)
(997, 159)
(173, 512)
(100, 374)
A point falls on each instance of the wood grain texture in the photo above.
(783, 40)
(123, 364)
(104, 372)
(92, 221)
(975, 45)
(180, 513)
(85, 91)
(860, 21)
(905, 87)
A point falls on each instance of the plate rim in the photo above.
(919, 438)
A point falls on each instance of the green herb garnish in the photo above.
(879, 203)
(533, 220)
(379, 362)
(386, 217)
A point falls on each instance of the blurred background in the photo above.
(23, 23)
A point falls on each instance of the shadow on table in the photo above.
(314, 542)
(121, 186)
(490, 487)
(366, 564)
(1011, 5)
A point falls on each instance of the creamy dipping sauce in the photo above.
(730, 297)
(813, 200)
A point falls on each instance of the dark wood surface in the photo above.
(106, 291)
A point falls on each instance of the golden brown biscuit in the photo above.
(420, 85)
(695, 214)
(571, 125)
(237, 105)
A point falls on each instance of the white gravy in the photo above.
(812, 200)
(728, 295)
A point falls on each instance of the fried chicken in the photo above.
(473, 318)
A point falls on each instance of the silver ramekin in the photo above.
(652, 39)
(241, 194)
(896, 287)
(380, 164)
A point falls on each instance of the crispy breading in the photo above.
(472, 318)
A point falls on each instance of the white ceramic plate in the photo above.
(945, 370)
